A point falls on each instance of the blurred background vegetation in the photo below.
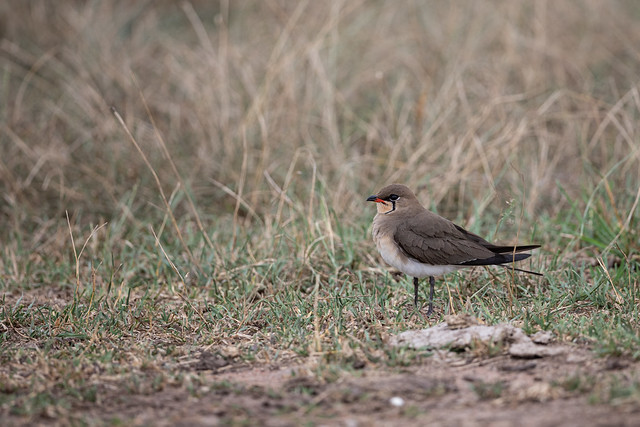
(277, 112)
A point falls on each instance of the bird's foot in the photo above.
(430, 310)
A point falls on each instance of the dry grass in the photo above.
(257, 129)
(477, 101)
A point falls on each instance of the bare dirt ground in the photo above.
(482, 385)
(444, 389)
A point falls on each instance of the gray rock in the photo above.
(518, 344)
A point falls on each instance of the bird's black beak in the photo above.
(375, 199)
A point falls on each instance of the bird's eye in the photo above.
(393, 197)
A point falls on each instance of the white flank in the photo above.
(409, 266)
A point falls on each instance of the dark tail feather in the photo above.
(512, 249)
(509, 267)
(501, 259)
(497, 259)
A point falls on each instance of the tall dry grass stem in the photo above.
(167, 205)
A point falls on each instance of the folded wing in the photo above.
(431, 239)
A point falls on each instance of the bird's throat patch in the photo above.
(386, 207)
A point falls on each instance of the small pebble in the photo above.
(396, 401)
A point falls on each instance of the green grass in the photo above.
(133, 310)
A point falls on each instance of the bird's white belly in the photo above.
(392, 256)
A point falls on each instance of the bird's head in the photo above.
(393, 198)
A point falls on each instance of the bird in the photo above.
(421, 243)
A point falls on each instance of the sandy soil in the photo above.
(446, 389)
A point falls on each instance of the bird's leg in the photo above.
(415, 291)
(432, 283)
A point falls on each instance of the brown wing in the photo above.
(434, 240)
(495, 248)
